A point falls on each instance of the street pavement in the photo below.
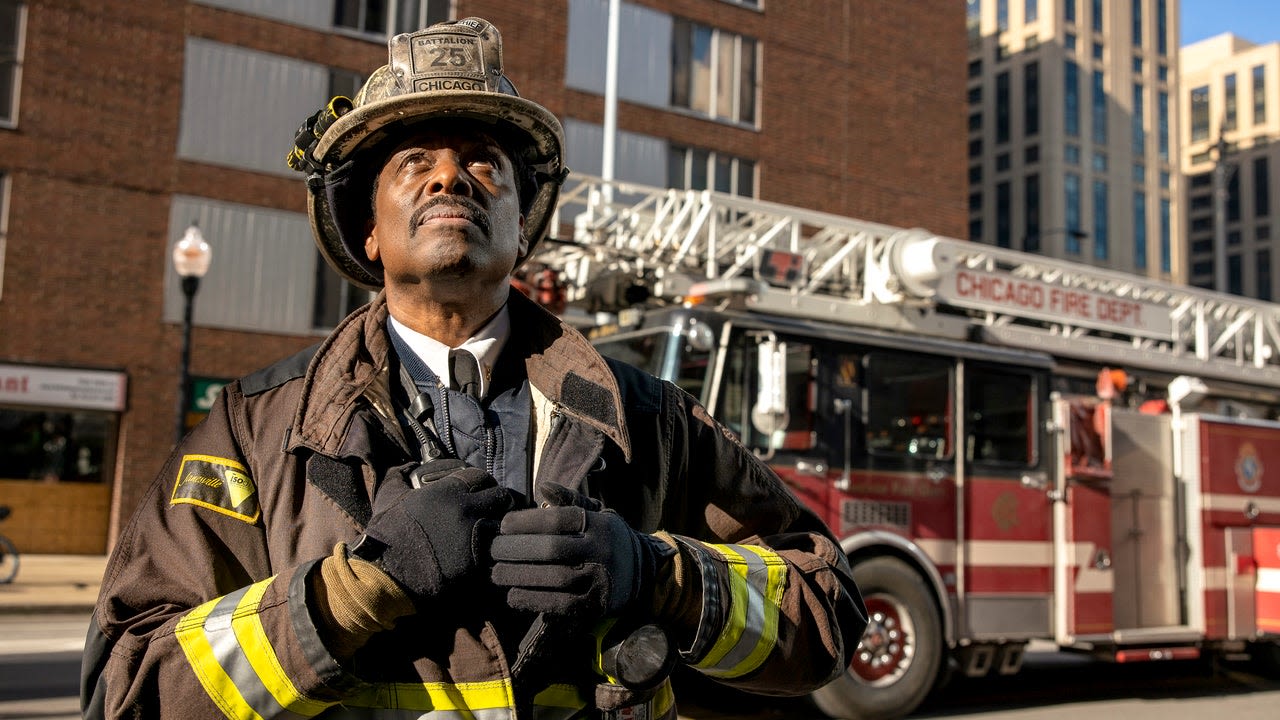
(53, 583)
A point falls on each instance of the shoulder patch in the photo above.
(278, 373)
(218, 484)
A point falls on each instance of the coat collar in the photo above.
(351, 368)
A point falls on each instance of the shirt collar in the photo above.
(486, 344)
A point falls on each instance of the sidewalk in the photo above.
(53, 583)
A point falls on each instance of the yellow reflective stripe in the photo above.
(558, 702)
(663, 700)
(757, 580)
(252, 636)
(217, 684)
(484, 695)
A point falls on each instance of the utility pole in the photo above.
(610, 100)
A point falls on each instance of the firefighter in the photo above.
(383, 525)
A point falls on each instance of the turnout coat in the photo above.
(205, 610)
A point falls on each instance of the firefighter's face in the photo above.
(446, 210)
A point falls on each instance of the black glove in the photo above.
(569, 558)
(430, 537)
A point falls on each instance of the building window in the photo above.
(1162, 28)
(1031, 155)
(975, 122)
(975, 174)
(1002, 108)
(1162, 72)
(1139, 122)
(975, 68)
(1137, 66)
(1071, 185)
(1069, 42)
(1004, 221)
(973, 20)
(1166, 234)
(1235, 275)
(12, 25)
(1031, 99)
(1162, 122)
(975, 202)
(714, 72)
(1069, 10)
(1002, 15)
(975, 229)
(1099, 105)
(1002, 162)
(1100, 220)
(1031, 200)
(1200, 113)
(335, 298)
(372, 16)
(1031, 13)
(1071, 100)
(696, 169)
(975, 148)
(1229, 102)
(1096, 15)
(1071, 154)
(58, 444)
(1137, 23)
(1263, 271)
(1140, 230)
(1233, 197)
(1261, 188)
(1097, 51)
(975, 95)
(1099, 162)
(1259, 94)
(1139, 173)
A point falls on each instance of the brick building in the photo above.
(127, 120)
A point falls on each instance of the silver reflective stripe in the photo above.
(758, 582)
(226, 649)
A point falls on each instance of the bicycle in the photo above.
(8, 553)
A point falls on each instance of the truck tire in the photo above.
(899, 658)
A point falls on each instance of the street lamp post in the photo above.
(191, 257)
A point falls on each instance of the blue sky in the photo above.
(1254, 20)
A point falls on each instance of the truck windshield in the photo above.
(662, 352)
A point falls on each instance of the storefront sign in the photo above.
(62, 387)
(204, 391)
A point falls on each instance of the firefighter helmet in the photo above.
(449, 70)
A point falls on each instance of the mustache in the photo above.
(460, 204)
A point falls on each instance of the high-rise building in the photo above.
(1230, 98)
(1072, 127)
(123, 121)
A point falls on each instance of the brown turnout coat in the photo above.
(313, 434)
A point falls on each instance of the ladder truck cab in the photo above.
(1011, 448)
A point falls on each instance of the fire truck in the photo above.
(1010, 448)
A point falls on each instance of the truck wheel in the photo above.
(899, 657)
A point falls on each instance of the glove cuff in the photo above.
(354, 599)
(676, 601)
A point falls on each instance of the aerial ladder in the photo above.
(792, 261)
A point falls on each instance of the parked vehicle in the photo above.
(1010, 447)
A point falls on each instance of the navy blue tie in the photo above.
(464, 373)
